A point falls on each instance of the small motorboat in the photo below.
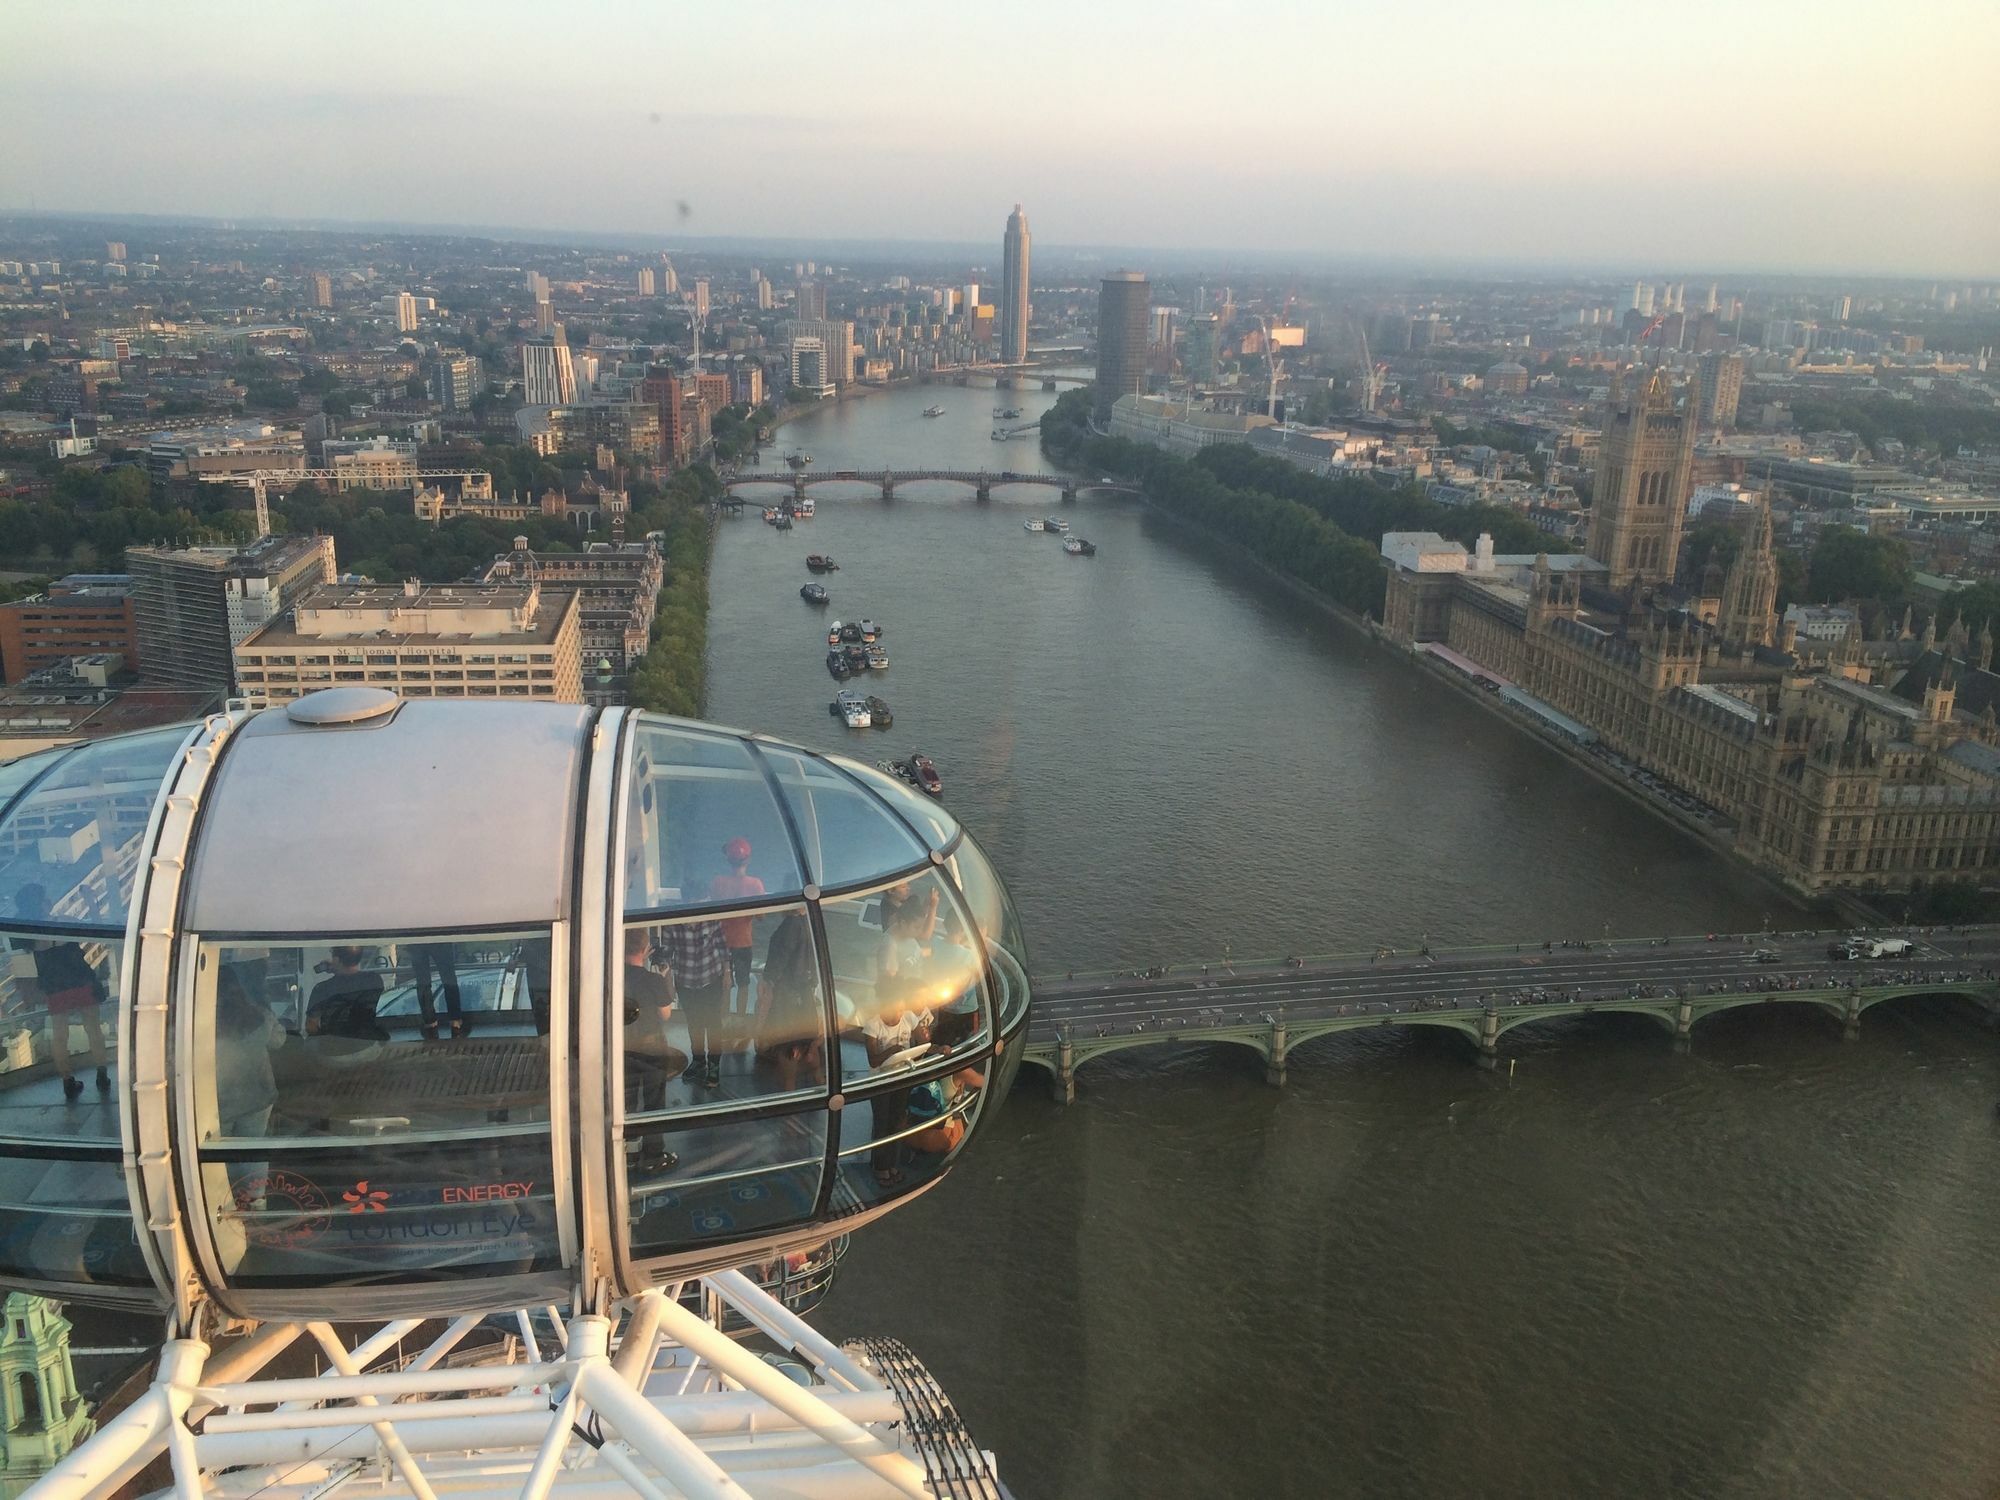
(878, 658)
(818, 563)
(933, 411)
(896, 768)
(868, 631)
(804, 509)
(1056, 524)
(833, 633)
(813, 593)
(924, 775)
(1076, 546)
(836, 663)
(878, 712)
(850, 633)
(1033, 526)
(853, 708)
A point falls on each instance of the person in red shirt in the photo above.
(737, 932)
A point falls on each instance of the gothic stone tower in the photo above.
(1641, 492)
(1750, 593)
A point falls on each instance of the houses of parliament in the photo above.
(1865, 764)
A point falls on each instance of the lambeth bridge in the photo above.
(1273, 1007)
(982, 481)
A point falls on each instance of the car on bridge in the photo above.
(1765, 956)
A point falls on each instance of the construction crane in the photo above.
(1371, 374)
(1276, 365)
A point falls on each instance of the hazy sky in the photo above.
(1840, 134)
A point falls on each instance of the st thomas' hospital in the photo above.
(1865, 764)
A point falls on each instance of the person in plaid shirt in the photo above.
(698, 955)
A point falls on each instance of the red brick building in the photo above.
(84, 614)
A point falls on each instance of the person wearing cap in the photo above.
(738, 932)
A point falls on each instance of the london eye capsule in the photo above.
(370, 1007)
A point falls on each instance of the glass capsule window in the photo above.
(703, 825)
(369, 1102)
(64, 1213)
(993, 915)
(902, 1137)
(908, 980)
(71, 823)
(848, 835)
(69, 840)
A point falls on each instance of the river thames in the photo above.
(1769, 1268)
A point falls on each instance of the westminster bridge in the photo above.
(1273, 1007)
(982, 482)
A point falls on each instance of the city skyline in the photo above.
(1513, 139)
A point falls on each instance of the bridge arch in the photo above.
(1512, 1019)
(1833, 1002)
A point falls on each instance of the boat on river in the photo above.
(804, 508)
(853, 709)
(833, 633)
(817, 563)
(923, 775)
(836, 663)
(1033, 526)
(1056, 524)
(1077, 546)
(813, 593)
(878, 712)
(850, 633)
(869, 630)
(878, 658)
(933, 411)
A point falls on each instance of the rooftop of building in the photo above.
(43, 710)
(412, 614)
(1882, 700)
(267, 555)
(1975, 690)
(1729, 702)
(81, 589)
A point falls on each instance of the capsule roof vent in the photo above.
(346, 705)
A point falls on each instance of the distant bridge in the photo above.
(983, 481)
(1482, 994)
(1005, 377)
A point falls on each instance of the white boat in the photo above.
(933, 411)
(869, 630)
(804, 509)
(854, 710)
(1032, 526)
(1060, 527)
(877, 658)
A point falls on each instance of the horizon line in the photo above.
(714, 243)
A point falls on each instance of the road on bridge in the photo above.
(1403, 983)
